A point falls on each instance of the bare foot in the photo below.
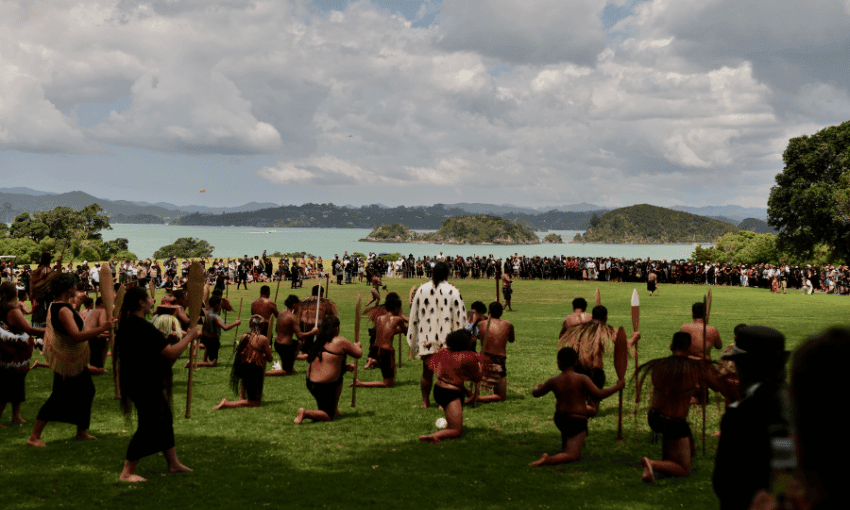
(131, 478)
(716, 434)
(430, 439)
(36, 442)
(648, 475)
(298, 419)
(353, 384)
(220, 404)
(425, 404)
(17, 421)
(541, 462)
(179, 468)
(84, 436)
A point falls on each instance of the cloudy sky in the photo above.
(535, 103)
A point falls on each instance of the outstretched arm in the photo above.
(542, 389)
(600, 393)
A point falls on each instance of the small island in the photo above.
(553, 239)
(649, 224)
(479, 229)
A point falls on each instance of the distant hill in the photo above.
(648, 224)
(25, 191)
(479, 229)
(34, 201)
(756, 225)
(735, 212)
(510, 208)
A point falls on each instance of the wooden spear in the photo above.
(597, 300)
(195, 301)
(356, 339)
(621, 362)
(108, 293)
(706, 303)
(236, 332)
(635, 326)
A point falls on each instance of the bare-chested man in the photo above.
(387, 326)
(265, 308)
(675, 380)
(579, 315)
(652, 282)
(376, 291)
(572, 391)
(507, 291)
(698, 348)
(288, 336)
(498, 333)
(590, 340)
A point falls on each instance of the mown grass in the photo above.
(371, 457)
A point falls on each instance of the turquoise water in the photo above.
(144, 240)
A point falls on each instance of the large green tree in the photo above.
(809, 204)
(185, 247)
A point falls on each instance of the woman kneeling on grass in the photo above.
(453, 366)
(326, 370)
(249, 366)
(145, 357)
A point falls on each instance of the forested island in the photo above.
(478, 229)
(648, 224)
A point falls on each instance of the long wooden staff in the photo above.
(706, 303)
(195, 300)
(410, 300)
(635, 326)
(236, 331)
(226, 295)
(621, 362)
(498, 277)
(108, 292)
(318, 305)
(119, 301)
(356, 339)
(327, 285)
(597, 300)
(277, 290)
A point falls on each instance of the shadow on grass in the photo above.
(484, 468)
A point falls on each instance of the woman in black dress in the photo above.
(66, 348)
(145, 357)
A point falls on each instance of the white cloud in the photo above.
(353, 99)
(523, 32)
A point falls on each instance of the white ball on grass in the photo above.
(441, 423)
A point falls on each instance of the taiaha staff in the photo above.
(706, 304)
(119, 302)
(327, 285)
(356, 339)
(236, 332)
(635, 326)
(108, 293)
(621, 362)
(410, 300)
(498, 277)
(277, 289)
(195, 298)
(597, 300)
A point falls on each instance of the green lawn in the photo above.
(371, 457)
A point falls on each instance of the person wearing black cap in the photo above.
(742, 466)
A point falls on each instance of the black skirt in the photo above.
(70, 401)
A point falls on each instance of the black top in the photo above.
(742, 465)
(140, 345)
(57, 324)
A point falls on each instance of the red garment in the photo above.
(455, 368)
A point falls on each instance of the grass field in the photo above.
(253, 458)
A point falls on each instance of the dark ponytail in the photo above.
(327, 332)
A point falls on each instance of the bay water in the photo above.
(144, 240)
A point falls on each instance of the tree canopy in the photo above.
(810, 204)
(185, 247)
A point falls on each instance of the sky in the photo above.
(415, 102)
